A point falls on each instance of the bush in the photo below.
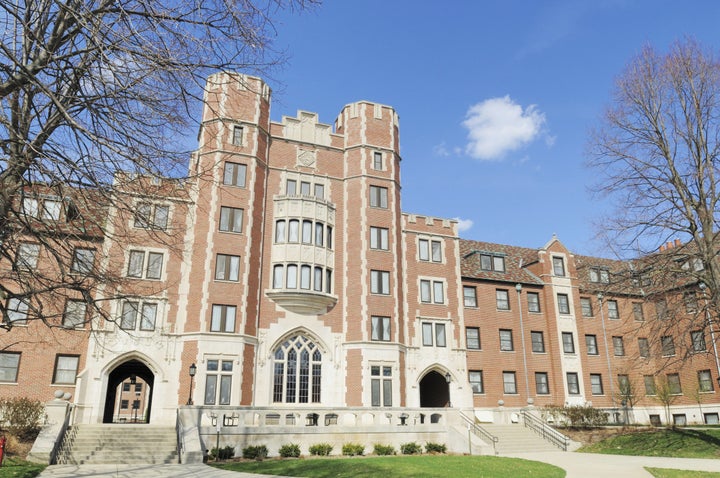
(411, 448)
(259, 452)
(384, 449)
(22, 417)
(290, 451)
(435, 447)
(353, 449)
(225, 453)
(321, 449)
(575, 416)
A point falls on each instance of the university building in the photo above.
(285, 273)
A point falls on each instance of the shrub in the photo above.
(435, 447)
(321, 449)
(353, 449)
(290, 450)
(384, 449)
(575, 416)
(411, 448)
(22, 417)
(225, 453)
(259, 452)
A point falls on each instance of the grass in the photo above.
(17, 468)
(667, 473)
(675, 443)
(425, 466)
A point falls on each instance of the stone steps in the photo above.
(119, 444)
(518, 439)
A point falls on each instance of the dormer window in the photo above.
(489, 262)
(599, 275)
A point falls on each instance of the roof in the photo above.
(516, 261)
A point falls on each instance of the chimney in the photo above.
(662, 247)
(678, 243)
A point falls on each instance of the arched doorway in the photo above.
(129, 393)
(434, 391)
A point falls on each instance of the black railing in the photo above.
(544, 430)
(64, 441)
(480, 432)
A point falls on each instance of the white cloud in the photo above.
(464, 224)
(441, 150)
(499, 125)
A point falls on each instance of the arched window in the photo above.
(297, 371)
(280, 231)
(278, 274)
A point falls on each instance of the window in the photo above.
(319, 191)
(278, 276)
(297, 371)
(558, 266)
(237, 138)
(490, 262)
(234, 174)
(50, 210)
(378, 197)
(17, 311)
(218, 382)
(292, 276)
(538, 342)
(673, 381)
(509, 383)
(591, 344)
(145, 264)
(613, 312)
(380, 282)
(231, 219)
(541, 383)
(227, 267)
(381, 385)
(9, 364)
(380, 328)
(223, 318)
(319, 231)
(599, 275)
(476, 381)
(66, 367)
(698, 341)
(27, 256)
(668, 346)
(568, 343)
(618, 346)
(661, 309)
(705, 383)
(75, 314)
(124, 404)
(502, 299)
(533, 300)
(307, 232)
(690, 301)
(280, 231)
(624, 386)
(30, 207)
(596, 386)
(432, 291)
(151, 216)
(130, 311)
(638, 311)
(126, 387)
(472, 338)
(291, 187)
(469, 296)
(379, 238)
(82, 261)
(643, 347)
(572, 383)
(429, 250)
(586, 306)
(563, 304)
(506, 340)
(378, 161)
(304, 188)
(650, 388)
(439, 336)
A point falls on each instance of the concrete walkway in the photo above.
(577, 465)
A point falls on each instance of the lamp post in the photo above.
(192, 371)
(136, 404)
(448, 378)
(518, 288)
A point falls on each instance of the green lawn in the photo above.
(425, 466)
(16, 468)
(678, 443)
(667, 473)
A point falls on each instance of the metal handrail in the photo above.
(64, 440)
(544, 430)
(480, 432)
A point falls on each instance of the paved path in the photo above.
(577, 465)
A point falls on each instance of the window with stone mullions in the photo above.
(223, 318)
(430, 250)
(234, 174)
(380, 328)
(130, 311)
(378, 197)
(227, 267)
(231, 219)
(489, 262)
(380, 282)
(432, 292)
(218, 382)
(379, 238)
(151, 216)
(137, 262)
(381, 385)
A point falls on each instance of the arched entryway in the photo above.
(434, 390)
(129, 393)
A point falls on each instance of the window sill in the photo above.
(303, 302)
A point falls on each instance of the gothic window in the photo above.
(297, 371)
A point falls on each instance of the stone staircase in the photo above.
(118, 444)
(515, 438)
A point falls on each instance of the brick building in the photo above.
(284, 270)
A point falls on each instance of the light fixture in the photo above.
(448, 377)
(192, 371)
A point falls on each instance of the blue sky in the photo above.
(495, 98)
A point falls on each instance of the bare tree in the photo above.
(658, 152)
(666, 394)
(92, 87)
